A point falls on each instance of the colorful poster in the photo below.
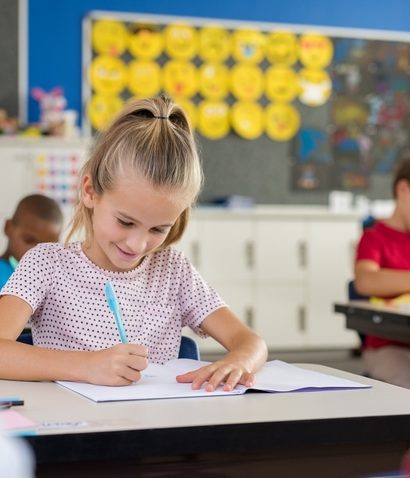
(57, 173)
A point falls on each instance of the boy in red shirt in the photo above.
(383, 269)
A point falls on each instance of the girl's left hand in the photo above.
(221, 372)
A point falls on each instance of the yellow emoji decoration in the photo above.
(282, 121)
(108, 75)
(101, 110)
(144, 78)
(247, 82)
(180, 79)
(213, 119)
(190, 111)
(247, 119)
(214, 43)
(145, 42)
(249, 45)
(315, 86)
(282, 47)
(181, 41)
(315, 50)
(213, 81)
(282, 84)
(109, 37)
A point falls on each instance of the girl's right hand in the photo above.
(118, 365)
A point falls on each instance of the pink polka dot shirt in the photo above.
(67, 294)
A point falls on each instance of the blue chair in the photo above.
(25, 338)
(188, 348)
(354, 295)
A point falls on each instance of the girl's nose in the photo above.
(137, 242)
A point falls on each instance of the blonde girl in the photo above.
(136, 191)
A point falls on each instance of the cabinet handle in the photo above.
(195, 250)
(249, 317)
(302, 254)
(302, 318)
(249, 254)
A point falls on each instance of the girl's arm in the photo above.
(247, 352)
(118, 365)
(370, 279)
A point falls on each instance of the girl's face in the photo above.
(130, 221)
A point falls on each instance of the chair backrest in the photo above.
(188, 348)
(25, 338)
(354, 295)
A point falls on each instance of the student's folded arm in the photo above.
(371, 280)
(242, 343)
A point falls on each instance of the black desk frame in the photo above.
(376, 321)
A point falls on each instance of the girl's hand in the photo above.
(118, 365)
(221, 372)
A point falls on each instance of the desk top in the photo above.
(378, 320)
(146, 428)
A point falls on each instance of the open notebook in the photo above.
(158, 381)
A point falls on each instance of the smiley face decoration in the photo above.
(241, 80)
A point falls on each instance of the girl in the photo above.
(136, 192)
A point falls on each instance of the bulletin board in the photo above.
(282, 115)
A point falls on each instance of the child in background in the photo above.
(36, 219)
(136, 192)
(383, 270)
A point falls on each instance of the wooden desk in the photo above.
(370, 319)
(344, 434)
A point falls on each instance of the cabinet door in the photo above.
(281, 251)
(226, 250)
(239, 299)
(331, 249)
(280, 316)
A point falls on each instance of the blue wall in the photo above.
(54, 37)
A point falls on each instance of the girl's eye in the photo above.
(124, 223)
(160, 231)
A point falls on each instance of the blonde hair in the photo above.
(153, 138)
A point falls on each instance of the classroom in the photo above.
(262, 268)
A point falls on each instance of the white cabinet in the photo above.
(279, 281)
(222, 251)
(281, 250)
(331, 259)
(280, 270)
(280, 315)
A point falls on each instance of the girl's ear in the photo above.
(88, 193)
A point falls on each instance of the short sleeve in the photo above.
(369, 247)
(33, 276)
(197, 298)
